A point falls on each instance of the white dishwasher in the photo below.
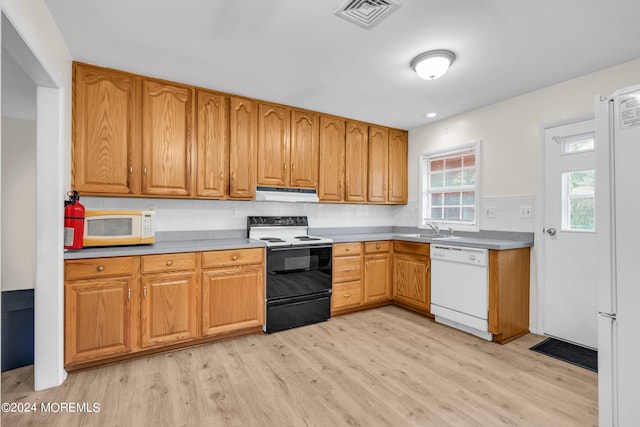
(460, 288)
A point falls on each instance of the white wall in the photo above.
(18, 203)
(511, 135)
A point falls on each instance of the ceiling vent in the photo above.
(367, 13)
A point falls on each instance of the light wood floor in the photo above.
(382, 367)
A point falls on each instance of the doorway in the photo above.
(570, 260)
(30, 36)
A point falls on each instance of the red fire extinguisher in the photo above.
(73, 221)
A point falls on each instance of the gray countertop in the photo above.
(166, 247)
(467, 241)
(493, 240)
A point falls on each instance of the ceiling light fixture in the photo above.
(430, 115)
(433, 64)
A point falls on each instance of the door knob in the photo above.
(551, 231)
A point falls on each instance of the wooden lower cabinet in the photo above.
(346, 294)
(168, 313)
(117, 307)
(377, 272)
(98, 308)
(169, 297)
(509, 294)
(232, 298)
(411, 276)
(97, 319)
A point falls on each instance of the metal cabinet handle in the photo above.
(347, 249)
(145, 171)
(131, 170)
(235, 257)
(378, 246)
(128, 294)
(347, 295)
(233, 176)
(221, 175)
(100, 268)
(169, 263)
(347, 269)
(551, 231)
(366, 265)
(144, 291)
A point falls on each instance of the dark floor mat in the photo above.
(571, 353)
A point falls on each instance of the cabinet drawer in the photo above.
(411, 248)
(99, 267)
(167, 262)
(346, 295)
(342, 249)
(347, 269)
(232, 257)
(377, 247)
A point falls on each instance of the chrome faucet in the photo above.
(451, 231)
(433, 226)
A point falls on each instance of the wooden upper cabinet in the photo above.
(167, 127)
(212, 141)
(274, 123)
(356, 160)
(331, 173)
(398, 169)
(242, 148)
(304, 149)
(105, 155)
(378, 163)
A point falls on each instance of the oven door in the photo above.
(296, 271)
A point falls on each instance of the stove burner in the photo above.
(272, 239)
(306, 238)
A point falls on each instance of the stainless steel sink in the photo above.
(432, 236)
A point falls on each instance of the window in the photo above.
(578, 204)
(449, 187)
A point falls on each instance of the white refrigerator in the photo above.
(618, 234)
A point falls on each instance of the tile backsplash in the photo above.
(185, 214)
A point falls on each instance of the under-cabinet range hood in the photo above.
(281, 194)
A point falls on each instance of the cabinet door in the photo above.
(377, 278)
(105, 153)
(232, 299)
(304, 149)
(169, 308)
(212, 140)
(242, 149)
(411, 280)
(167, 126)
(97, 319)
(273, 145)
(356, 159)
(398, 158)
(331, 174)
(378, 164)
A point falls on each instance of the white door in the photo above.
(570, 259)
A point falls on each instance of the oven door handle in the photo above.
(289, 248)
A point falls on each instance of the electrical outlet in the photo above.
(234, 212)
(526, 211)
(490, 212)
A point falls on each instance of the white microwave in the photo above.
(119, 227)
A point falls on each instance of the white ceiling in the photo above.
(297, 52)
